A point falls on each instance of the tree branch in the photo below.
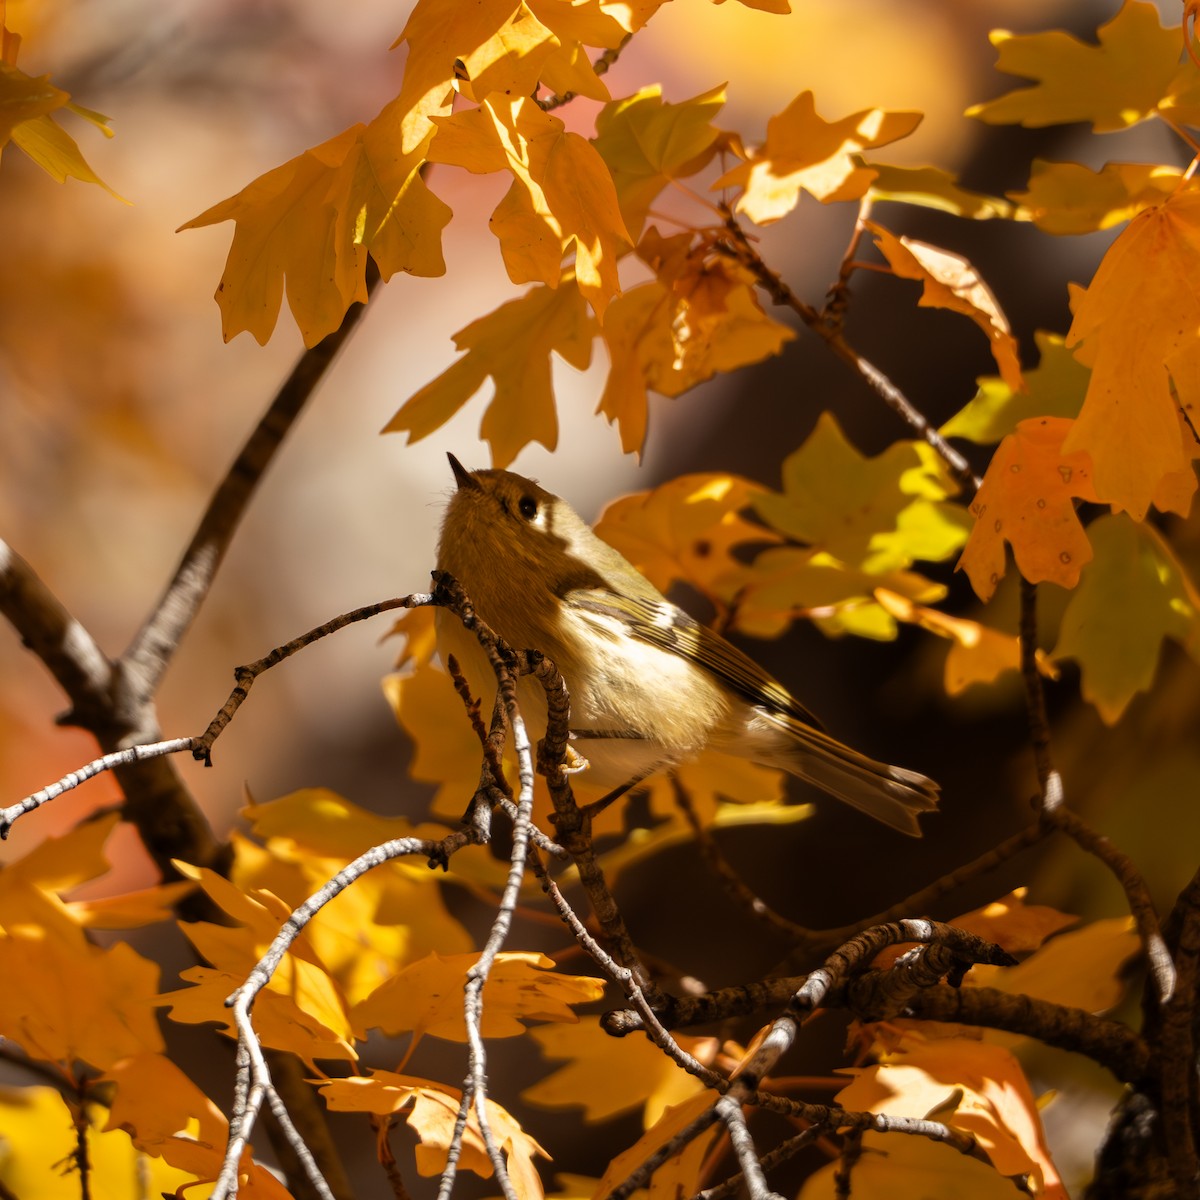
(151, 651)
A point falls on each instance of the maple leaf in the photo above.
(76, 1001)
(1068, 198)
(933, 187)
(562, 195)
(951, 282)
(431, 1110)
(1114, 84)
(1134, 594)
(893, 1166)
(671, 336)
(1054, 388)
(26, 103)
(685, 531)
(803, 152)
(41, 1135)
(392, 916)
(426, 997)
(607, 1077)
(1026, 500)
(878, 514)
(500, 45)
(974, 1086)
(679, 1175)
(1082, 968)
(511, 345)
(1129, 423)
(577, 25)
(311, 222)
(789, 583)
(978, 654)
(647, 142)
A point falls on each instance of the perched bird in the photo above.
(650, 687)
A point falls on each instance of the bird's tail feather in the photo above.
(893, 795)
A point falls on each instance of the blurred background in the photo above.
(121, 409)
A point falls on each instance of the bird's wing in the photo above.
(657, 621)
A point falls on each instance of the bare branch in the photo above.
(65, 648)
(148, 656)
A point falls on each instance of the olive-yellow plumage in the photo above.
(650, 687)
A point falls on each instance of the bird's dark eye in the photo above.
(527, 507)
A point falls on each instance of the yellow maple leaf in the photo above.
(40, 1136)
(682, 1173)
(951, 282)
(1134, 594)
(393, 915)
(311, 222)
(804, 152)
(1140, 313)
(1026, 500)
(26, 104)
(893, 1165)
(76, 1001)
(788, 583)
(576, 26)
(562, 197)
(1068, 198)
(647, 142)
(878, 514)
(500, 45)
(511, 345)
(431, 1109)
(978, 654)
(1113, 84)
(607, 1076)
(685, 531)
(933, 187)
(426, 997)
(974, 1086)
(1081, 968)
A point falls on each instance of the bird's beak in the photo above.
(462, 476)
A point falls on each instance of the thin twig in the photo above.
(742, 249)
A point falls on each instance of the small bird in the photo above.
(650, 687)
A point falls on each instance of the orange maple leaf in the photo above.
(1026, 500)
(1138, 321)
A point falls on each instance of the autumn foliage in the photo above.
(631, 236)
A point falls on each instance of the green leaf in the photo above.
(878, 514)
(1131, 596)
(1054, 388)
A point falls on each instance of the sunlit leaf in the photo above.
(512, 346)
(1129, 423)
(647, 142)
(932, 187)
(805, 153)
